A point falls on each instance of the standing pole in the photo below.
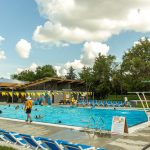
(12, 95)
(93, 95)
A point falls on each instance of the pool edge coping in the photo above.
(130, 129)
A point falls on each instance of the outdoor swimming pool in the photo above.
(73, 116)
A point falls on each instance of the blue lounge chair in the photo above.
(86, 102)
(34, 142)
(19, 139)
(8, 136)
(120, 104)
(62, 141)
(77, 147)
(100, 103)
(95, 103)
(14, 137)
(91, 102)
(47, 139)
(2, 138)
(53, 145)
(81, 102)
(105, 103)
(100, 148)
(115, 104)
(109, 103)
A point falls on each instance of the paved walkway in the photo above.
(133, 141)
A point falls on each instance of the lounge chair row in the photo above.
(41, 142)
(104, 103)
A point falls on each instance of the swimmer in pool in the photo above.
(17, 107)
(38, 117)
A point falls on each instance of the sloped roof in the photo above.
(46, 79)
(9, 83)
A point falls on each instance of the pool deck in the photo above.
(133, 141)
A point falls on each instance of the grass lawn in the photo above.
(6, 148)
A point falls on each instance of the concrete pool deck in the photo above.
(134, 141)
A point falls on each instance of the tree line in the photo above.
(106, 76)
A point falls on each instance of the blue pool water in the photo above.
(74, 116)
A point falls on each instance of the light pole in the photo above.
(12, 98)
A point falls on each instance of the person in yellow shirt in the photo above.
(28, 109)
(73, 100)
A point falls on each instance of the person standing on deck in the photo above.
(28, 109)
(125, 101)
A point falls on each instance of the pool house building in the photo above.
(57, 88)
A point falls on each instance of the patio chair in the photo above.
(91, 102)
(81, 102)
(77, 147)
(95, 102)
(34, 142)
(47, 139)
(19, 139)
(109, 103)
(105, 103)
(62, 141)
(86, 102)
(115, 104)
(14, 138)
(53, 145)
(2, 138)
(100, 103)
(120, 104)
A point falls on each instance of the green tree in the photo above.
(25, 75)
(86, 75)
(45, 71)
(102, 71)
(116, 80)
(136, 65)
(71, 74)
(40, 72)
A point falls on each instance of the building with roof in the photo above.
(9, 85)
(59, 88)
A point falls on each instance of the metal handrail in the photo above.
(142, 102)
(98, 123)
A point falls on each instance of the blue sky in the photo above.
(67, 33)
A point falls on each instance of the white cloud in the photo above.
(31, 68)
(5, 75)
(61, 71)
(76, 64)
(2, 55)
(77, 21)
(19, 70)
(2, 39)
(89, 52)
(23, 48)
(138, 42)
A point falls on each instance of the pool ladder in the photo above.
(94, 127)
(96, 124)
